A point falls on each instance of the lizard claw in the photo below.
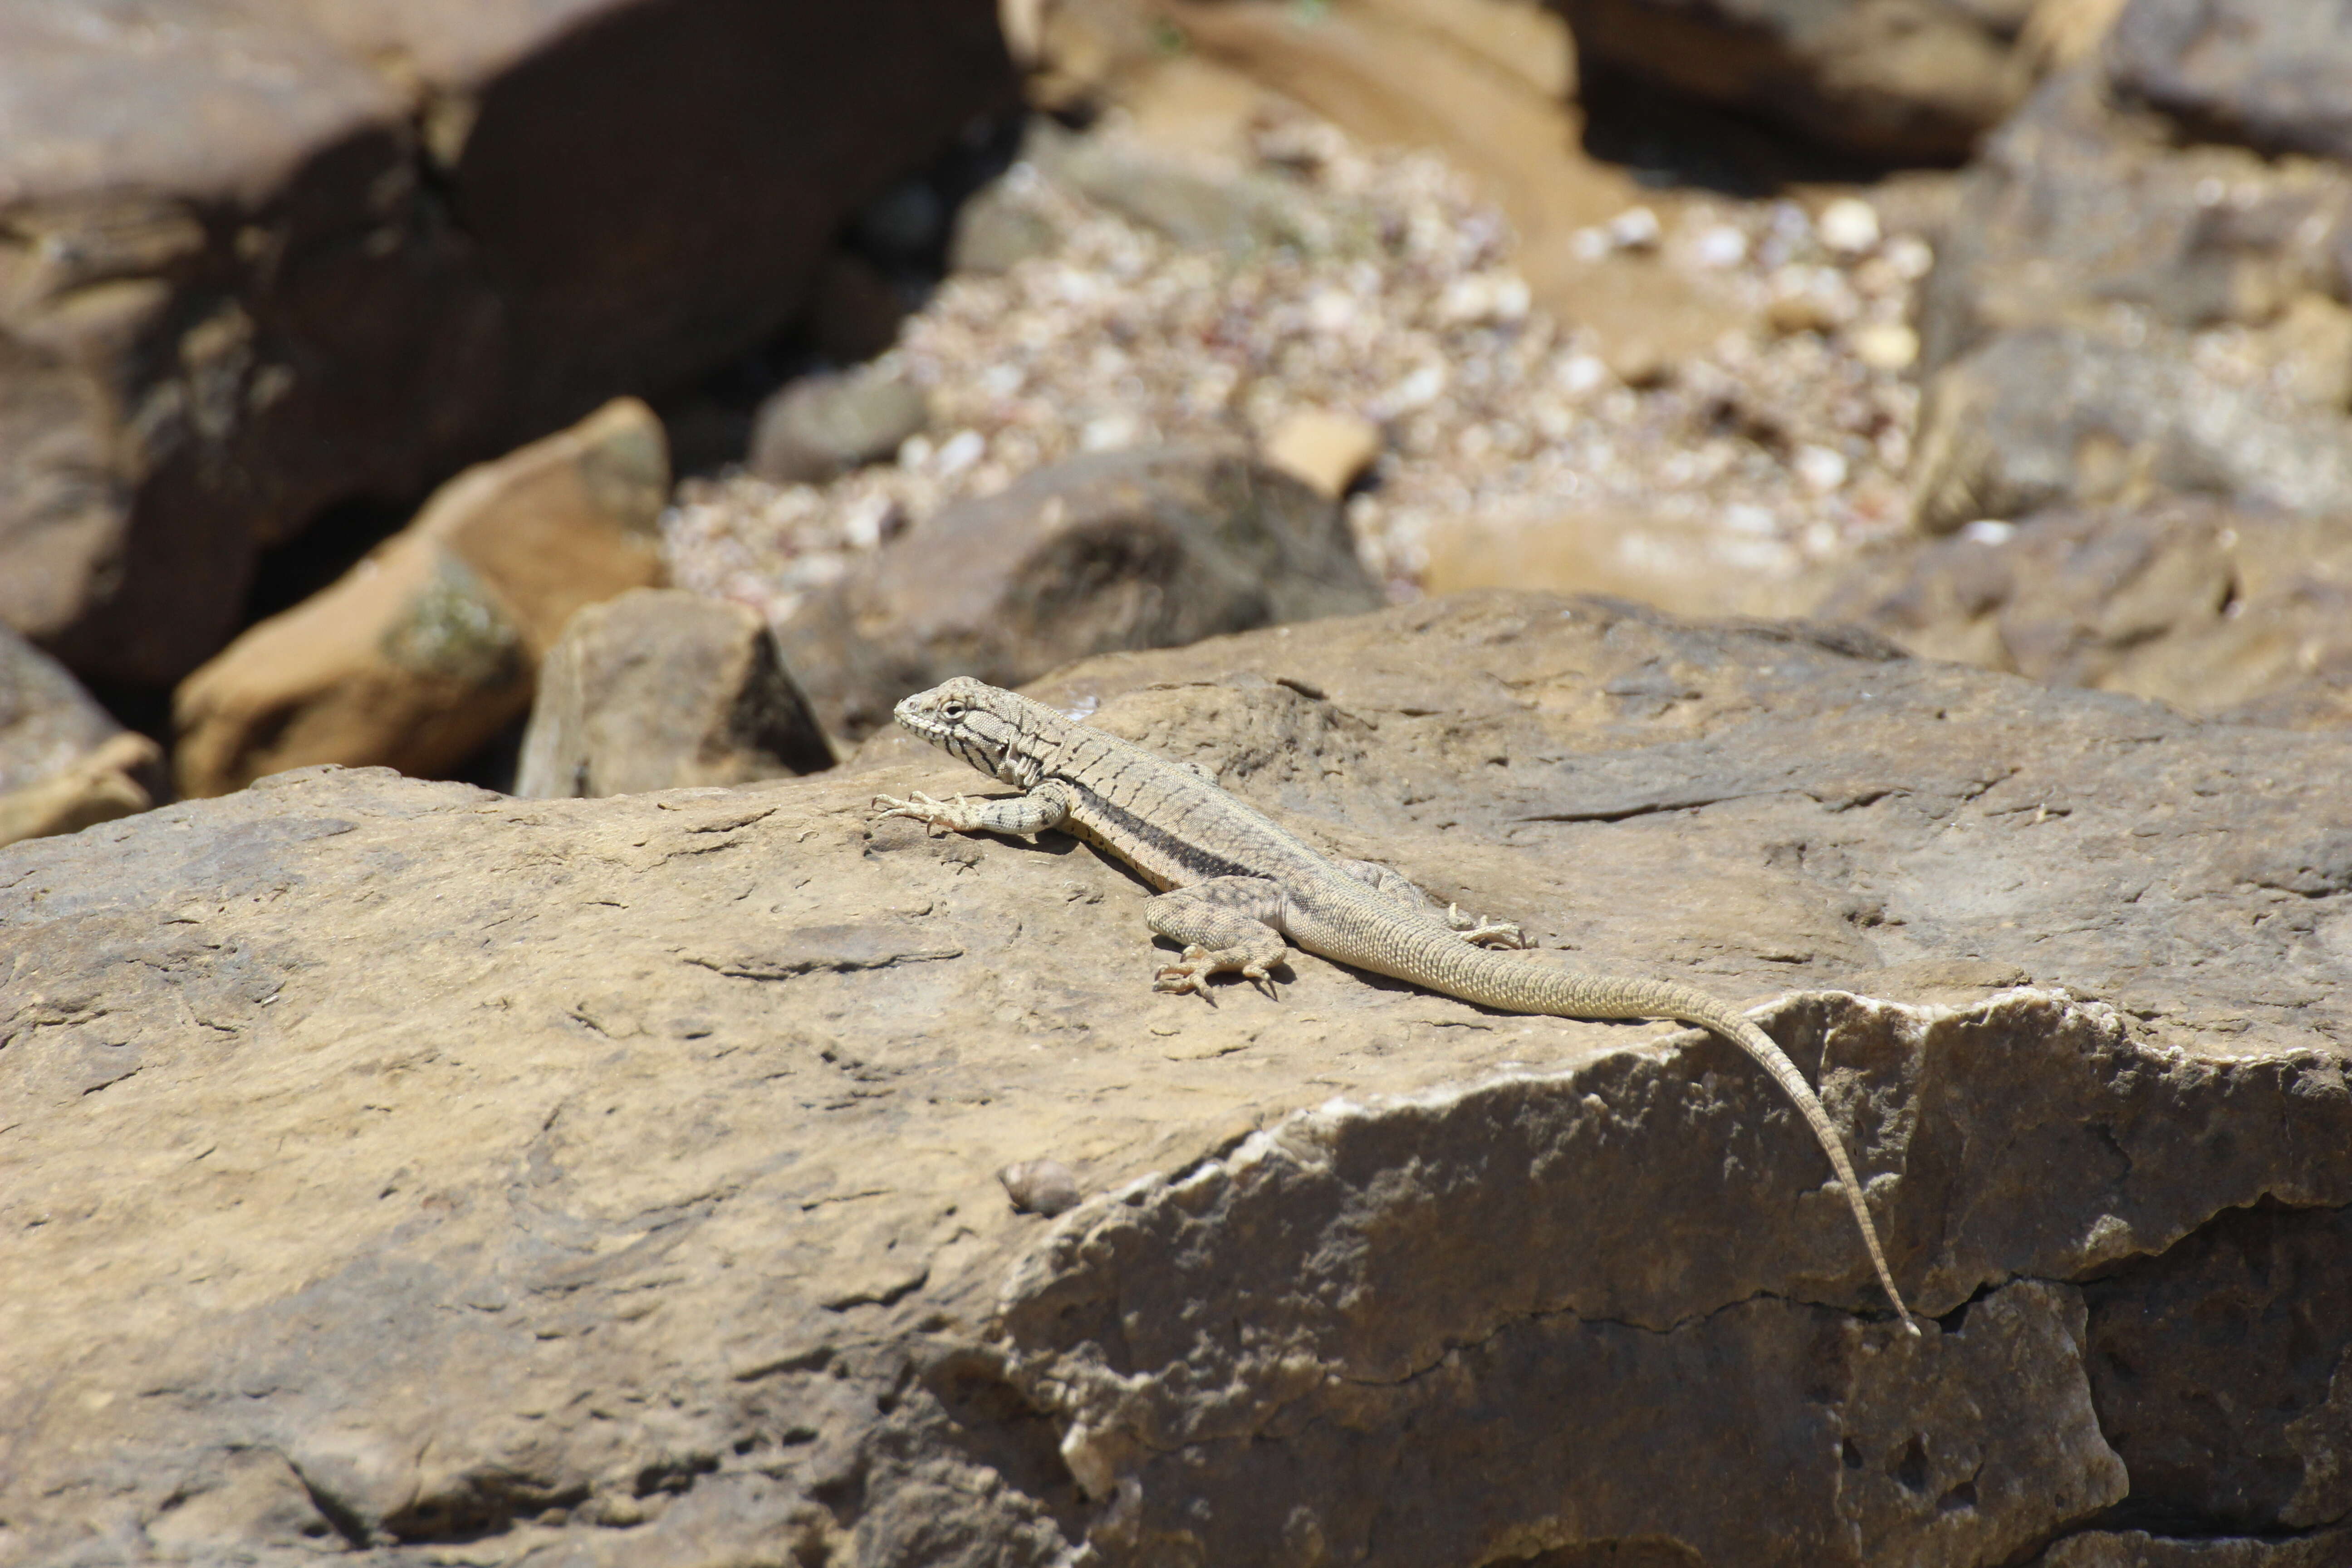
(921, 807)
(1482, 932)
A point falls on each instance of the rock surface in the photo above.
(1151, 547)
(2276, 78)
(2223, 613)
(116, 778)
(664, 689)
(392, 1167)
(47, 720)
(2120, 309)
(821, 425)
(430, 646)
(1893, 80)
(288, 253)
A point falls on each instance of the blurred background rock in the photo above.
(1970, 320)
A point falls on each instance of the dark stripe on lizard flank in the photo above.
(1134, 829)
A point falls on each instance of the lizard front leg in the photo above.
(1227, 924)
(1045, 807)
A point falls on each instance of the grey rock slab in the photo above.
(2078, 206)
(1149, 547)
(660, 689)
(399, 1169)
(818, 427)
(2277, 78)
(46, 720)
(2122, 310)
(2220, 612)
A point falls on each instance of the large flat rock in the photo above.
(396, 1167)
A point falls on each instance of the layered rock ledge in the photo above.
(400, 1168)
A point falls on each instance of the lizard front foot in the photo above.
(922, 808)
(1190, 973)
(1480, 930)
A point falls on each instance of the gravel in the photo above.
(1393, 297)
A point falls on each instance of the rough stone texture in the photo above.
(2138, 1549)
(2276, 78)
(2220, 613)
(1153, 547)
(664, 689)
(1896, 80)
(287, 253)
(2267, 1446)
(389, 1165)
(821, 425)
(117, 778)
(428, 648)
(2119, 310)
(47, 720)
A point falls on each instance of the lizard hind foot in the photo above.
(1480, 931)
(922, 808)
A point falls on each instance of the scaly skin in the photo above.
(1236, 883)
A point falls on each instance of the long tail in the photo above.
(1534, 987)
(1688, 1007)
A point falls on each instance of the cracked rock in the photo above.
(398, 1169)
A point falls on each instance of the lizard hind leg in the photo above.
(1227, 925)
(1394, 885)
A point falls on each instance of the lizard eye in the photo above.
(952, 711)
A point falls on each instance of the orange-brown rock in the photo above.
(428, 647)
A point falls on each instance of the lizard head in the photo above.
(974, 720)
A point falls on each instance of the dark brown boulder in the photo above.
(1893, 80)
(284, 254)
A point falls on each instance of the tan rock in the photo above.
(1327, 451)
(110, 782)
(2222, 613)
(390, 1163)
(1684, 565)
(426, 649)
(664, 689)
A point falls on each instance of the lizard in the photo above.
(1233, 883)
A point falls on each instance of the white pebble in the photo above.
(1419, 390)
(1580, 374)
(1910, 255)
(1988, 531)
(1821, 469)
(1636, 228)
(1849, 225)
(1720, 247)
(963, 448)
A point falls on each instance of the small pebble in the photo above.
(1040, 1187)
(1848, 226)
